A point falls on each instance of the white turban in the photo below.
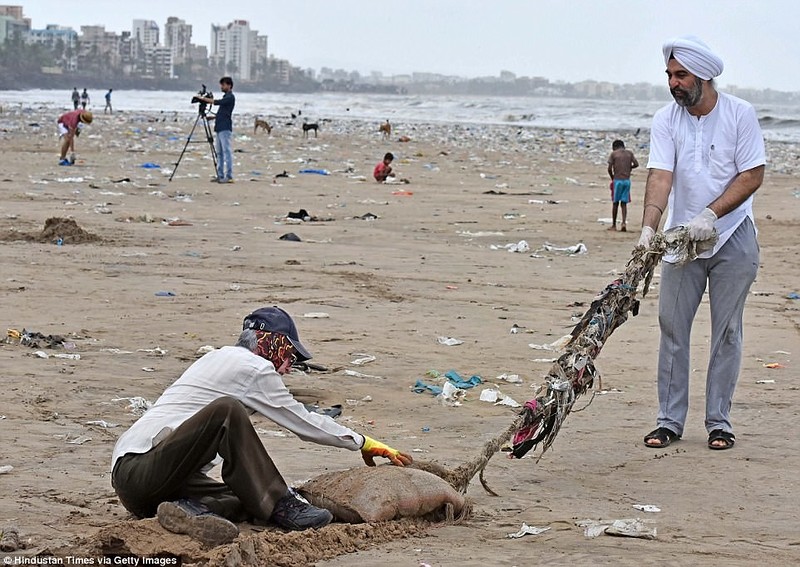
(694, 55)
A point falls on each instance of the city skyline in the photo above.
(573, 41)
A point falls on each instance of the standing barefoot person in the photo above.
(620, 163)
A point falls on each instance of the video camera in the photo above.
(205, 93)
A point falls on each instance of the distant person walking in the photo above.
(108, 103)
(620, 164)
(76, 98)
(84, 99)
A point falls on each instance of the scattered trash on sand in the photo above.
(647, 508)
(363, 359)
(521, 247)
(102, 423)
(579, 248)
(527, 530)
(633, 527)
(449, 341)
(137, 404)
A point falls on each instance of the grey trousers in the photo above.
(728, 274)
(173, 469)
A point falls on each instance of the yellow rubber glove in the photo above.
(371, 449)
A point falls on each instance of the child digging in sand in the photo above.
(384, 169)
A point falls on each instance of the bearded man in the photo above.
(707, 160)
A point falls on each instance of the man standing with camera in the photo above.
(223, 126)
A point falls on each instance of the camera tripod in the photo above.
(201, 117)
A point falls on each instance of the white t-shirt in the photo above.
(704, 156)
(238, 373)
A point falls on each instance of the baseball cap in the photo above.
(276, 320)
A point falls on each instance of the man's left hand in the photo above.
(701, 227)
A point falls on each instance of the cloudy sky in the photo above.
(571, 40)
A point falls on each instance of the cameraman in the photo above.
(223, 126)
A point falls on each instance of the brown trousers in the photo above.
(172, 469)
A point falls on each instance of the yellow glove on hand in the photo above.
(371, 449)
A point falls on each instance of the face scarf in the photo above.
(274, 347)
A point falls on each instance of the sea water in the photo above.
(780, 122)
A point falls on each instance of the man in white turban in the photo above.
(694, 55)
(707, 160)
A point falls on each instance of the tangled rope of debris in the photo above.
(574, 373)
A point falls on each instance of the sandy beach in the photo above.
(383, 271)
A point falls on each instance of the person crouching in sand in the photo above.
(384, 169)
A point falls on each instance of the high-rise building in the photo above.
(178, 38)
(144, 36)
(230, 48)
(148, 55)
(98, 48)
(13, 23)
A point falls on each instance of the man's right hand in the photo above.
(372, 449)
(646, 237)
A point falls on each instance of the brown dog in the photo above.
(313, 126)
(386, 130)
(262, 124)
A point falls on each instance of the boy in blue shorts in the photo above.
(620, 164)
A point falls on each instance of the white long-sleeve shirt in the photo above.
(236, 372)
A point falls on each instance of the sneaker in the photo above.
(64, 162)
(194, 519)
(227, 181)
(293, 513)
(216, 180)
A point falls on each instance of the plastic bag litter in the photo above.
(364, 358)
(102, 423)
(451, 395)
(349, 372)
(521, 246)
(527, 530)
(449, 341)
(631, 527)
(510, 378)
(5, 469)
(579, 248)
(137, 404)
(647, 507)
(555, 345)
(68, 356)
(158, 351)
(498, 398)
(316, 315)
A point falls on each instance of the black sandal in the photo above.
(721, 435)
(663, 435)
